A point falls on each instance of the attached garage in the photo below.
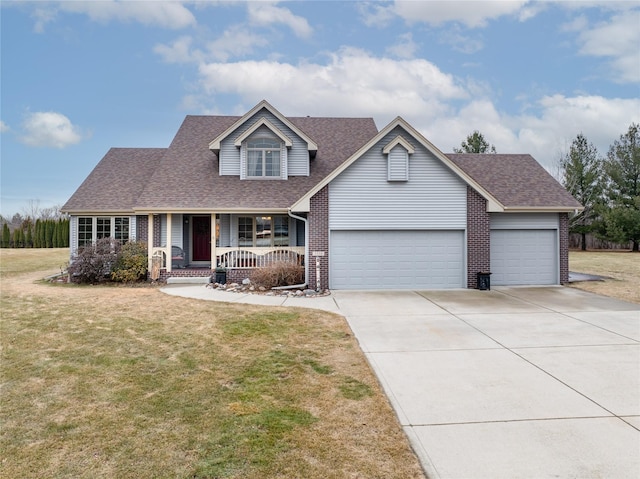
(524, 249)
(396, 259)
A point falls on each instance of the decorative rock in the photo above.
(246, 281)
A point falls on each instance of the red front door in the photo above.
(201, 238)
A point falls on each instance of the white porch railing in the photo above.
(249, 257)
(258, 257)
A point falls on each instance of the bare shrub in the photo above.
(93, 263)
(278, 273)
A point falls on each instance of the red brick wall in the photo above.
(478, 237)
(318, 224)
(564, 248)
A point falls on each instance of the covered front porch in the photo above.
(195, 244)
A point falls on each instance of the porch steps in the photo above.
(188, 280)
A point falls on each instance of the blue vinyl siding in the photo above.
(297, 157)
(361, 197)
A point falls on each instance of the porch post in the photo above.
(168, 243)
(214, 261)
(150, 239)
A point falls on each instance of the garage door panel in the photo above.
(523, 257)
(396, 259)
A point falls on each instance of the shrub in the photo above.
(279, 273)
(132, 263)
(93, 263)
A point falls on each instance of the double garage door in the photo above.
(524, 256)
(396, 259)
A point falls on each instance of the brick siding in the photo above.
(318, 224)
(185, 273)
(142, 228)
(478, 237)
(564, 248)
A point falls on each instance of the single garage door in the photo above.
(524, 257)
(396, 259)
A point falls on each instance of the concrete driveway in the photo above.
(528, 382)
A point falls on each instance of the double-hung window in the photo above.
(263, 157)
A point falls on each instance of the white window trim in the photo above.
(263, 122)
(112, 227)
(244, 163)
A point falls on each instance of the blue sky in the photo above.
(81, 77)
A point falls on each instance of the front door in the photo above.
(201, 238)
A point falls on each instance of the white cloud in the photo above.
(173, 15)
(264, 13)
(374, 14)
(473, 14)
(236, 41)
(445, 109)
(351, 81)
(618, 39)
(3, 127)
(405, 47)
(543, 133)
(43, 15)
(460, 42)
(49, 129)
(179, 51)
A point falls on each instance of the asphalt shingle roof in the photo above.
(117, 180)
(515, 180)
(184, 176)
(188, 175)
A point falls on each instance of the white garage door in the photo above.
(396, 259)
(524, 257)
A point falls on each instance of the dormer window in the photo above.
(263, 157)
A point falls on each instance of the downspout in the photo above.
(306, 254)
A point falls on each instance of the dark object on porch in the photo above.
(484, 281)
(178, 259)
(221, 275)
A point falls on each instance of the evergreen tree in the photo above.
(581, 172)
(621, 221)
(6, 235)
(18, 240)
(475, 143)
(29, 236)
(49, 233)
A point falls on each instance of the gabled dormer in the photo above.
(398, 151)
(263, 144)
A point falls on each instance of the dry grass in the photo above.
(620, 268)
(121, 382)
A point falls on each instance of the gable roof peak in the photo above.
(264, 104)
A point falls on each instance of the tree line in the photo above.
(38, 228)
(38, 234)
(607, 186)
